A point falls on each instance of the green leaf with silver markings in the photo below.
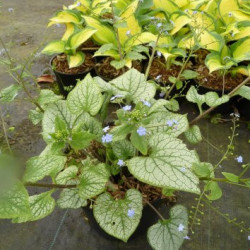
(113, 215)
(86, 96)
(193, 134)
(9, 94)
(213, 99)
(169, 234)
(167, 166)
(123, 149)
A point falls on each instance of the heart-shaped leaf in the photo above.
(169, 234)
(119, 218)
(133, 86)
(193, 134)
(86, 96)
(168, 165)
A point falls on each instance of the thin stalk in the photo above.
(152, 57)
(45, 185)
(223, 180)
(244, 171)
(18, 78)
(199, 117)
(156, 211)
(223, 82)
(179, 74)
(4, 131)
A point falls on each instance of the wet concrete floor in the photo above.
(25, 28)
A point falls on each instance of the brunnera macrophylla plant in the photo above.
(85, 155)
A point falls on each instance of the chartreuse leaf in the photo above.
(8, 94)
(69, 198)
(213, 191)
(93, 180)
(40, 166)
(123, 149)
(231, 177)
(14, 201)
(41, 205)
(180, 19)
(193, 134)
(119, 217)
(80, 37)
(76, 60)
(54, 47)
(86, 96)
(241, 50)
(169, 234)
(66, 16)
(168, 165)
(213, 100)
(133, 86)
(189, 74)
(167, 5)
(243, 91)
(104, 34)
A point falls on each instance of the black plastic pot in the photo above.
(66, 82)
(243, 106)
(149, 217)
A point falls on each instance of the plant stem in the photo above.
(179, 74)
(4, 131)
(199, 117)
(18, 78)
(156, 211)
(244, 171)
(152, 57)
(222, 179)
(45, 185)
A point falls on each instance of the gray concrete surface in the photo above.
(25, 28)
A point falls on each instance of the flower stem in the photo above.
(156, 211)
(48, 185)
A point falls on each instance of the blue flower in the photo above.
(175, 121)
(159, 25)
(170, 123)
(239, 159)
(181, 228)
(186, 237)
(158, 53)
(106, 129)
(120, 163)
(131, 213)
(107, 138)
(162, 94)
(230, 14)
(146, 103)
(141, 131)
(114, 97)
(58, 25)
(195, 12)
(127, 107)
(11, 10)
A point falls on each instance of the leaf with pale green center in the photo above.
(243, 91)
(60, 109)
(193, 96)
(167, 166)
(9, 94)
(47, 96)
(41, 205)
(14, 202)
(86, 96)
(70, 198)
(93, 180)
(112, 215)
(123, 149)
(213, 100)
(158, 123)
(193, 134)
(169, 234)
(133, 86)
(40, 166)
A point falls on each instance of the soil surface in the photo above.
(60, 63)
(160, 73)
(215, 79)
(108, 72)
